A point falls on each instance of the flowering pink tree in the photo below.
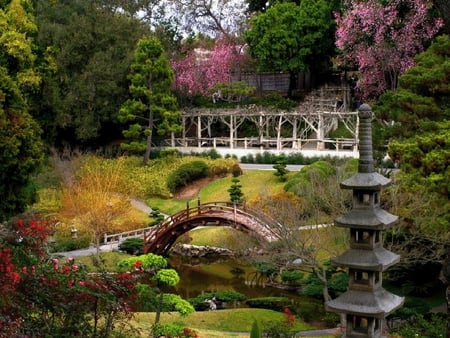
(382, 38)
(200, 70)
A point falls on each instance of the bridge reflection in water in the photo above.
(160, 238)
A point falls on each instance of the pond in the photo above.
(198, 276)
(209, 275)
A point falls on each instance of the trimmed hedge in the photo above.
(271, 303)
(187, 173)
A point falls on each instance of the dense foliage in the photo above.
(291, 37)
(20, 143)
(86, 50)
(418, 113)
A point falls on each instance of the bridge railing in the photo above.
(120, 237)
(189, 213)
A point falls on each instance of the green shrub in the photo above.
(173, 330)
(276, 101)
(187, 173)
(429, 326)
(167, 152)
(64, 244)
(156, 215)
(132, 246)
(235, 191)
(212, 154)
(224, 296)
(278, 330)
(291, 277)
(313, 309)
(248, 159)
(236, 170)
(271, 303)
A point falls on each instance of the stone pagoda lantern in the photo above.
(366, 304)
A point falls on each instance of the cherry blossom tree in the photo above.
(201, 69)
(382, 38)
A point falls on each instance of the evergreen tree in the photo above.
(418, 129)
(280, 167)
(152, 105)
(236, 194)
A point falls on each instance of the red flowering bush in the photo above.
(50, 297)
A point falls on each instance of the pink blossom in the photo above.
(201, 69)
(381, 40)
(82, 283)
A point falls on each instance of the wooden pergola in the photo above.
(306, 126)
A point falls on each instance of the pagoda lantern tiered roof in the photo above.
(366, 303)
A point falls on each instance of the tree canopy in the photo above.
(21, 149)
(87, 50)
(287, 37)
(292, 38)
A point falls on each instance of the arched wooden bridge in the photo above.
(161, 237)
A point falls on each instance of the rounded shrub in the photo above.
(187, 173)
(132, 246)
(221, 296)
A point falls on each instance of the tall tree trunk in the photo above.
(149, 138)
(445, 278)
(158, 308)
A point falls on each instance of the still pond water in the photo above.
(199, 276)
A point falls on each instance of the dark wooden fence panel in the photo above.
(274, 82)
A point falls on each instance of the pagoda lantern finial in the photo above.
(365, 139)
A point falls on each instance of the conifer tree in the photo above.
(152, 105)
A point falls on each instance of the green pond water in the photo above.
(199, 276)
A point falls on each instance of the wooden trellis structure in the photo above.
(305, 127)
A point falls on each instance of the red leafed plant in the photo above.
(45, 296)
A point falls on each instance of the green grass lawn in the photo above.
(220, 323)
(254, 183)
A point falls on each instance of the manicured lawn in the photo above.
(222, 237)
(254, 183)
(221, 323)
